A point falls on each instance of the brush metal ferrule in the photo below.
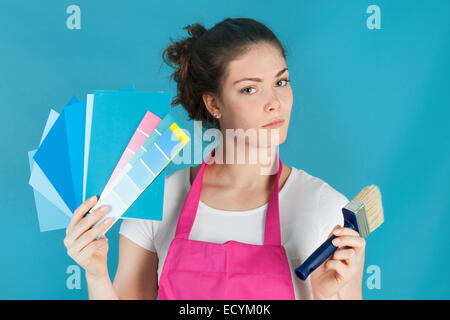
(359, 210)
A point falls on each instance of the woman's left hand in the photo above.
(344, 267)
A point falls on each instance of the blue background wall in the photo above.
(370, 107)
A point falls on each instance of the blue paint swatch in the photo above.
(140, 175)
(54, 159)
(154, 159)
(127, 190)
(169, 143)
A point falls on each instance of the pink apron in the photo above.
(198, 270)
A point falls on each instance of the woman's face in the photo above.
(257, 92)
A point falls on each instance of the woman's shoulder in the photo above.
(307, 183)
(299, 178)
(311, 202)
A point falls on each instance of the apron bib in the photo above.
(199, 270)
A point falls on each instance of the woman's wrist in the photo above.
(90, 278)
(100, 287)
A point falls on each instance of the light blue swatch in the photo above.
(50, 217)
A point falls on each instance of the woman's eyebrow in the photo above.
(259, 79)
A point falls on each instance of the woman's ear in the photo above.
(211, 104)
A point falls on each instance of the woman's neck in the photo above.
(243, 167)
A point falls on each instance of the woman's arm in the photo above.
(137, 273)
(136, 276)
(100, 288)
(88, 251)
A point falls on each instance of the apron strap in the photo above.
(272, 233)
(189, 211)
(187, 216)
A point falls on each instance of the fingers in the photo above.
(338, 266)
(341, 231)
(348, 258)
(86, 253)
(85, 224)
(87, 237)
(355, 242)
(343, 254)
(347, 237)
(80, 212)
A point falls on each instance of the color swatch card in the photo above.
(54, 158)
(146, 127)
(38, 178)
(163, 125)
(50, 217)
(132, 184)
(52, 212)
(96, 147)
(61, 156)
(111, 121)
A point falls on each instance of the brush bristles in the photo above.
(370, 196)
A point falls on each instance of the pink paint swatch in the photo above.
(145, 128)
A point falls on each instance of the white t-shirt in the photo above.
(309, 210)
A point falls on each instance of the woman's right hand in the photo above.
(81, 243)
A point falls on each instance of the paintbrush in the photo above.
(363, 214)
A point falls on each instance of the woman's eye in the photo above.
(284, 80)
(244, 90)
(249, 88)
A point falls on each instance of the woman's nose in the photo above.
(273, 102)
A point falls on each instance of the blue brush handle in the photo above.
(316, 259)
(325, 250)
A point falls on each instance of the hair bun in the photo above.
(179, 52)
(195, 30)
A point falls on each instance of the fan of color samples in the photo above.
(96, 146)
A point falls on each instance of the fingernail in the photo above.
(107, 221)
(104, 209)
(91, 199)
(336, 241)
(337, 231)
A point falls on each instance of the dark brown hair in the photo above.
(200, 60)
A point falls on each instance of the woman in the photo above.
(228, 230)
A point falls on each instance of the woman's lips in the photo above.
(275, 124)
